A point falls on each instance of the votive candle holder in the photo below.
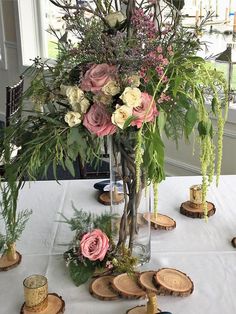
(36, 293)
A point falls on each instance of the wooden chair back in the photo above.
(13, 101)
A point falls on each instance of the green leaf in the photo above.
(70, 166)
(213, 105)
(51, 108)
(162, 120)
(52, 121)
(205, 128)
(177, 83)
(80, 273)
(196, 59)
(183, 100)
(128, 121)
(73, 136)
(190, 120)
(77, 144)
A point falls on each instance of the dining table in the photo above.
(199, 248)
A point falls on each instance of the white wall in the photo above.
(182, 161)
(178, 162)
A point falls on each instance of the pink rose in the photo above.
(97, 77)
(94, 245)
(146, 112)
(98, 121)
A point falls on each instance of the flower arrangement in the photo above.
(93, 250)
(129, 69)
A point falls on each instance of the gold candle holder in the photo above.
(196, 195)
(152, 303)
(36, 293)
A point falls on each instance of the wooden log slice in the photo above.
(145, 280)
(188, 210)
(127, 287)
(56, 305)
(171, 281)
(105, 198)
(5, 264)
(101, 289)
(159, 221)
(142, 309)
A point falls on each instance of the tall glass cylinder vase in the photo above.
(130, 197)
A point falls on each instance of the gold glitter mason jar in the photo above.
(196, 194)
(36, 293)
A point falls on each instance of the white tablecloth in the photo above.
(201, 250)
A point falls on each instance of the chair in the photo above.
(13, 107)
(89, 171)
(13, 101)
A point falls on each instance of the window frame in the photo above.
(28, 14)
(3, 60)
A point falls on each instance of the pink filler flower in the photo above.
(97, 77)
(98, 121)
(94, 245)
(146, 112)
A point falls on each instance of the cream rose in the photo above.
(111, 88)
(134, 80)
(114, 18)
(121, 114)
(74, 94)
(73, 118)
(82, 106)
(131, 97)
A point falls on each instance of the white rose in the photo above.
(131, 97)
(74, 94)
(121, 114)
(73, 118)
(103, 99)
(134, 80)
(111, 88)
(114, 18)
(82, 106)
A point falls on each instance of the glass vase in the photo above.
(130, 198)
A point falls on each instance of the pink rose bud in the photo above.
(94, 245)
(97, 77)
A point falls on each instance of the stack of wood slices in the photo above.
(165, 281)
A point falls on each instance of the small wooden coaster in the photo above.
(145, 280)
(196, 211)
(105, 198)
(171, 281)
(234, 242)
(101, 289)
(127, 287)
(142, 309)
(56, 305)
(5, 264)
(159, 221)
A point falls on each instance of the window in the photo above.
(35, 19)
(2, 41)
